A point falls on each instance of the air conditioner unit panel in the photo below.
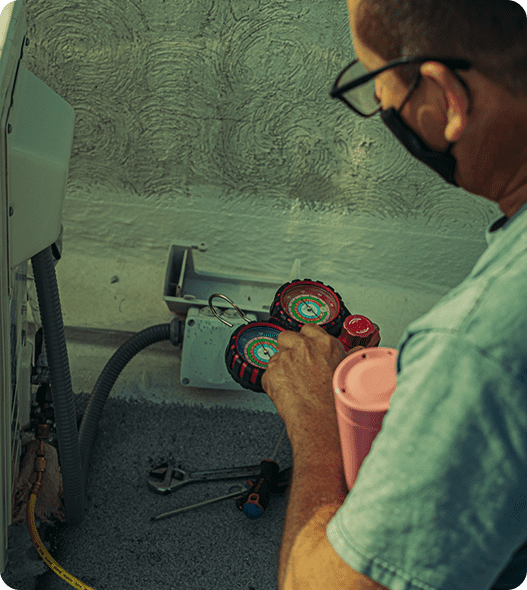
(39, 133)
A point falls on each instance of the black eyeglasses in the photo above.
(355, 86)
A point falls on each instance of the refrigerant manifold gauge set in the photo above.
(295, 304)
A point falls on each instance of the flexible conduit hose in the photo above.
(75, 449)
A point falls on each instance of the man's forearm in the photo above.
(318, 480)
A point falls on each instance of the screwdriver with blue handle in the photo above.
(270, 481)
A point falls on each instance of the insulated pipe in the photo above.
(101, 391)
(75, 448)
(65, 414)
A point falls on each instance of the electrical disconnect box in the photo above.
(187, 291)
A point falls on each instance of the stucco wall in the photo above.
(211, 121)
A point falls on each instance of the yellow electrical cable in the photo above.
(31, 525)
(50, 562)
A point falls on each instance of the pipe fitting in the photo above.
(42, 431)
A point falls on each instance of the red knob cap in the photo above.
(357, 330)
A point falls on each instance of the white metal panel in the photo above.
(12, 33)
(5, 360)
(5, 380)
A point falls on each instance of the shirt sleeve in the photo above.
(440, 501)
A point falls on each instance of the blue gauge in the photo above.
(257, 344)
(250, 349)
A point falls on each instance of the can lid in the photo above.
(365, 381)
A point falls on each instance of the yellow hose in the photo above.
(30, 514)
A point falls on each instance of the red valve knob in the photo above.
(358, 330)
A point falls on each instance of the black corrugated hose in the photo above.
(75, 447)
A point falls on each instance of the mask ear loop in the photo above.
(416, 84)
(467, 90)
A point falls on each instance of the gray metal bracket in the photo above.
(184, 287)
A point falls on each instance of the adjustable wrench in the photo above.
(166, 478)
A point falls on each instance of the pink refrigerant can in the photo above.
(363, 384)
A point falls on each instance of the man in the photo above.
(441, 500)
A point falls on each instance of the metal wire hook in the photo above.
(242, 315)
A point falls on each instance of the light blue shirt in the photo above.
(440, 502)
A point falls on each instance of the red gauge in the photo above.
(309, 302)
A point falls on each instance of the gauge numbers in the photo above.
(257, 344)
(310, 304)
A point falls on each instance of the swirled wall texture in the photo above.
(211, 121)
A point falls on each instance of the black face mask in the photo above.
(443, 163)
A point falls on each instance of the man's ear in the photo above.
(456, 97)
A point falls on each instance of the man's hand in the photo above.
(299, 378)
(299, 381)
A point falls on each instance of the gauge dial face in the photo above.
(258, 344)
(310, 304)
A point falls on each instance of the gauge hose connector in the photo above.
(42, 434)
